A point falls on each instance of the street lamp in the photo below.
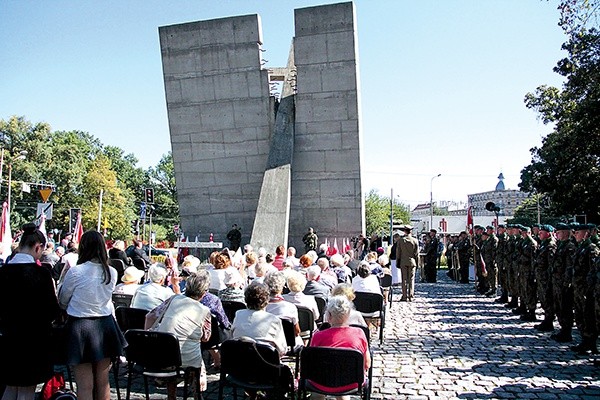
(431, 201)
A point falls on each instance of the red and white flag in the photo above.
(335, 246)
(5, 234)
(470, 220)
(42, 225)
(78, 231)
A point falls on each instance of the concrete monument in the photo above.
(273, 166)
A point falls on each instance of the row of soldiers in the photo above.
(559, 267)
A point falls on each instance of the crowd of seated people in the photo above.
(186, 297)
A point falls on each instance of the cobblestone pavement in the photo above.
(450, 343)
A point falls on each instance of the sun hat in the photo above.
(132, 274)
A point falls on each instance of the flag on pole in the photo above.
(335, 246)
(42, 225)
(470, 220)
(5, 234)
(78, 231)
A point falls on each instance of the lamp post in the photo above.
(431, 201)
(391, 241)
(20, 156)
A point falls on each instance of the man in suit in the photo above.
(407, 258)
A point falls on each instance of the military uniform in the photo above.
(310, 240)
(478, 261)
(544, 258)
(463, 248)
(562, 287)
(430, 270)
(501, 262)
(512, 245)
(488, 251)
(583, 298)
(527, 288)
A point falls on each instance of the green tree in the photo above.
(115, 217)
(566, 168)
(162, 179)
(377, 213)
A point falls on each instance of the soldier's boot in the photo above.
(503, 298)
(587, 344)
(563, 336)
(513, 303)
(529, 316)
(546, 325)
(519, 310)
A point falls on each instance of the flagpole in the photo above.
(100, 209)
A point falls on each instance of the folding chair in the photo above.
(159, 356)
(214, 340)
(321, 305)
(253, 366)
(371, 305)
(231, 307)
(130, 318)
(385, 282)
(294, 351)
(119, 265)
(306, 320)
(333, 368)
(140, 264)
(122, 300)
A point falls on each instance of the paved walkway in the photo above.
(453, 344)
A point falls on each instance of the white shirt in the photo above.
(150, 295)
(260, 326)
(84, 293)
(305, 300)
(129, 288)
(22, 258)
(370, 284)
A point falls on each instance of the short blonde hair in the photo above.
(343, 289)
(296, 282)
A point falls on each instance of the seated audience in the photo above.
(49, 255)
(345, 289)
(251, 261)
(222, 267)
(254, 322)
(340, 269)
(341, 335)
(291, 256)
(277, 304)
(131, 281)
(139, 253)
(153, 293)
(328, 277)
(365, 281)
(313, 286)
(233, 291)
(117, 252)
(188, 319)
(296, 282)
(279, 257)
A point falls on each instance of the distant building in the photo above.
(506, 199)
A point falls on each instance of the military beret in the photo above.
(579, 227)
(547, 228)
(563, 227)
(524, 228)
(478, 227)
(489, 227)
(502, 226)
(536, 226)
(591, 226)
(485, 233)
(433, 230)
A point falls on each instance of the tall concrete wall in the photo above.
(326, 173)
(220, 118)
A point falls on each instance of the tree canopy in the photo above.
(377, 211)
(77, 166)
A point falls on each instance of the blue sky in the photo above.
(442, 82)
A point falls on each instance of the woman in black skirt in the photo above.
(93, 337)
(28, 306)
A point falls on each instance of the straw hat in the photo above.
(132, 274)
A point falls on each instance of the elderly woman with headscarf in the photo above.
(341, 335)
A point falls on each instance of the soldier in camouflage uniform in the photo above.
(544, 259)
(594, 279)
(527, 288)
(535, 233)
(562, 286)
(463, 248)
(501, 261)
(489, 252)
(477, 259)
(583, 297)
(511, 266)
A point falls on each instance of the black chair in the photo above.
(253, 366)
(119, 265)
(385, 283)
(306, 320)
(159, 356)
(214, 340)
(371, 305)
(294, 350)
(122, 300)
(321, 305)
(130, 318)
(57, 270)
(333, 367)
(231, 307)
(140, 264)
